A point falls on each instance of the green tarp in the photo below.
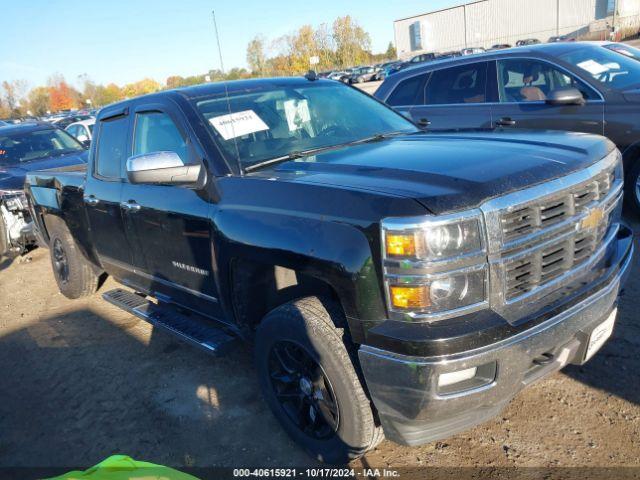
(121, 467)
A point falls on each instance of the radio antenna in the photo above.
(226, 92)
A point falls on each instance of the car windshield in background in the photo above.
(35, 145)
(624, 49)
(276, 121)
(605, 66)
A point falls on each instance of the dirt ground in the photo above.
(83, 380)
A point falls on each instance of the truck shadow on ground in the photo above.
(615, 367)
(98, 382)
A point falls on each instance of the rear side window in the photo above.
(112, 147)
(156, 132)
(462, 84)
(408, 92)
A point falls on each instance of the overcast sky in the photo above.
(123, 41)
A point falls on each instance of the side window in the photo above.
(461, 84)
(112, 146)
(408, 92)
(72, 130)
(528, 80)
(156, 132)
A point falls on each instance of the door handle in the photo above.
(506, 122)
(91, 200)
(130, 205)
(424, 122)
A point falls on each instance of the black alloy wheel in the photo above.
(303, 390)
(60, 261)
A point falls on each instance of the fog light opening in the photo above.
(467, 379)
(451, 378)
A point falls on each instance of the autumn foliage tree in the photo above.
(61, 96)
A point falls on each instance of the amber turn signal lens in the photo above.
(410, 297)
(401, 245)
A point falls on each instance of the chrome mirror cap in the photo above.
(163, 168)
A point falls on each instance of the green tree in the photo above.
(256, 56)
(13, 91)
(107, 94)
(391, 52)
(39, 101)
(352, 43)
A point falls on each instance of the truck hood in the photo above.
(12, 176)
(448, 172)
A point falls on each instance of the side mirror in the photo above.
(565, 96)
(164, 168)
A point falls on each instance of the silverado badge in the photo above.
(592, 220)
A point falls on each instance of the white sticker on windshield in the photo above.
(238, 124)
(593, 67)
(297, 113)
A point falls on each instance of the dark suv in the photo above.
(578, 86)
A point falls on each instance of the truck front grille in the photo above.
(546, 234)
(547, 212)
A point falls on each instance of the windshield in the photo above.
(35, 145)
(627, 50)
(275, 121)
(611, 69)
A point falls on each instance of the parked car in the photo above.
(623, 49)
(362, 74)
(66, 120)
(381, 70)
(24, 148)
(528, 41)
(472, 51)
(418, 59)
(391, 281)
(82, 130)
(499, 46)
(561, 38)
(565, 86)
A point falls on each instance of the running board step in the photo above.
(187, 326)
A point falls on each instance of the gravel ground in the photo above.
(83, 380)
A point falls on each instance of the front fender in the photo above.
(339, 254)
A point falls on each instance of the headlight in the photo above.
(435, 266)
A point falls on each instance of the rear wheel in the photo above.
(309, 380)
(74, 275)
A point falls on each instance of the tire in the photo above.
(632, 188)
(75, 276)
(306, 326)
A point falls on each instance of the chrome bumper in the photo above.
(411, 406)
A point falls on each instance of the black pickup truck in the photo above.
(393, 283)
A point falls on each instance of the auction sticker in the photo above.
(238, 124)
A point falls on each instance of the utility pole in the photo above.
(557, 17)
(613, 25)
(464, 13)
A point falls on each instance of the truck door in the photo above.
(523, 86)
(170, 224)
(102, 196)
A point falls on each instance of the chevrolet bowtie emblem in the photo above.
(592, 220)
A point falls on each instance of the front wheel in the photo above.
(632, 187)
(74, 274)
(310, 382)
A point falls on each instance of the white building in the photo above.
(485, 23)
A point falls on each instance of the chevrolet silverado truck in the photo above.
(392, 282)
(23, 148)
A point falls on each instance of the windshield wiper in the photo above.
(304, 153)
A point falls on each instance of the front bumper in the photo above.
(412, 407)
